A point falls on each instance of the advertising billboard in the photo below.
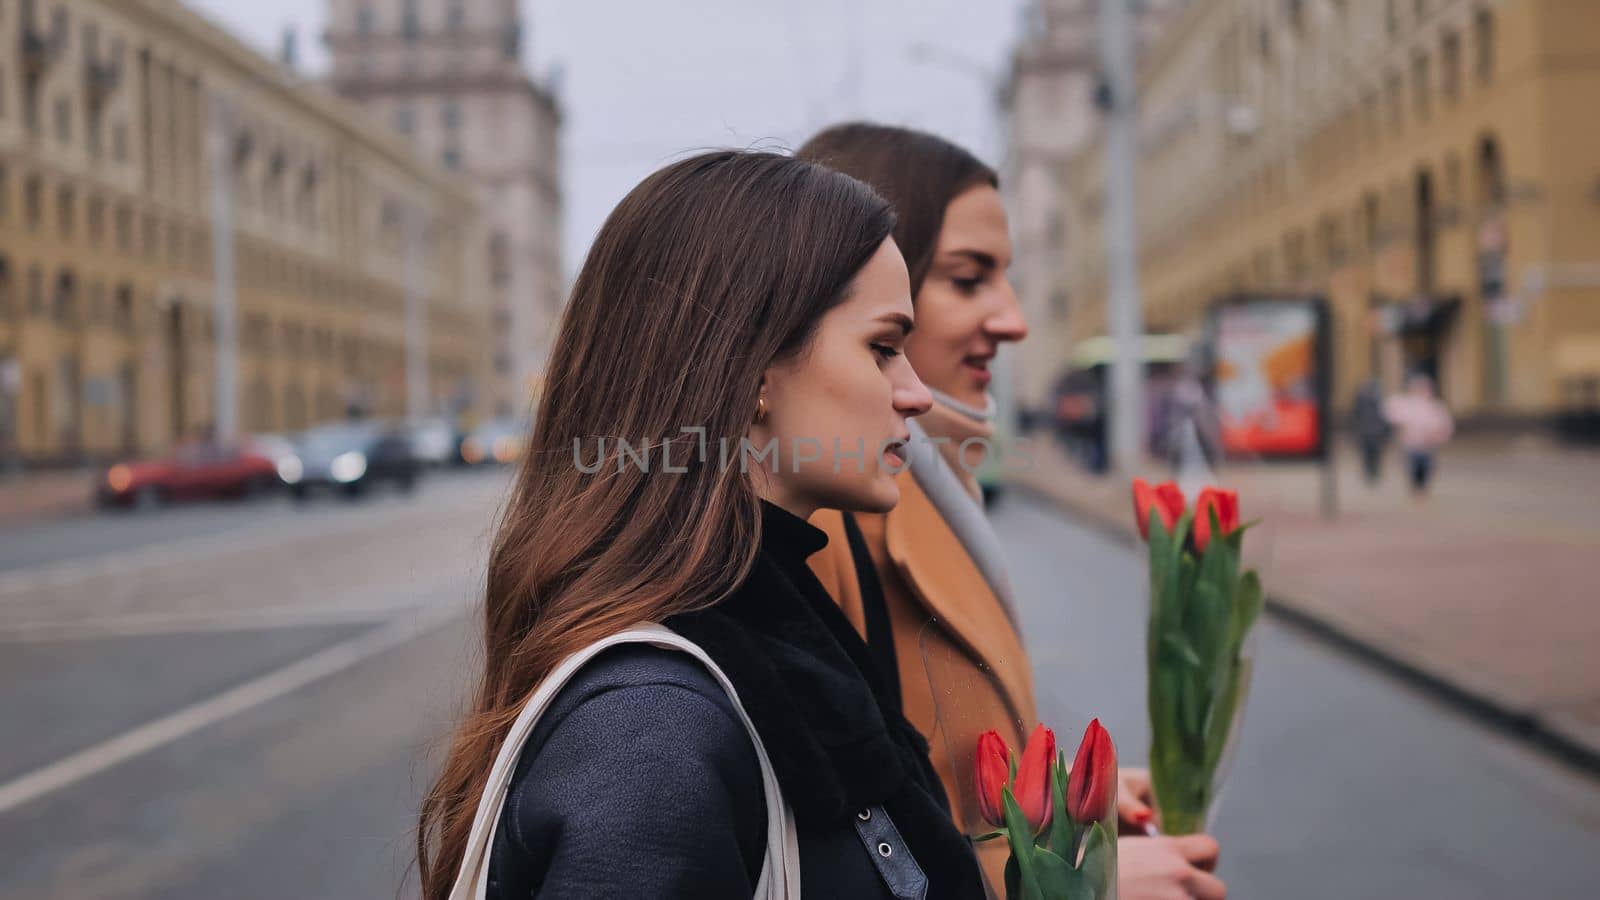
(1270, 375)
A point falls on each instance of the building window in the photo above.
(35, 290)
(1391, 17)
(124, 229)
(1396, 102)
(403, 119)
(66, 300)
(1483, 40)
(97, 217)
(452, 158)
(119, 142)
(456, 16)
(450, 115)
(410, 21)
(366, 19)
(1296, 10)
(123, 313)
(1421, 84)
(499, 260)
(1371, 223)
(1450, 67)
(65, 204)
(63, 120)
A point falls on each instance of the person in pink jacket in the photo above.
(1423, 424)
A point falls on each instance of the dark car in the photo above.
(194, 471)
(350, 457)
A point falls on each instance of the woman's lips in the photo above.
(895, 454)
(978, 368)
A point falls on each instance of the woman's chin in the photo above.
(882, 497)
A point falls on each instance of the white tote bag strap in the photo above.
(780, 869)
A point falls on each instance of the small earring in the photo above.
(761, 408)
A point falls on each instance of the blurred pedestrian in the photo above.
(926, 582)
(738, 743)
(1371, 428)
(1423, 425)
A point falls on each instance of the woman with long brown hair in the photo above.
(927, 582)
(729, 363)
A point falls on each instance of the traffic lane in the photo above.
(311, 795)
(58, 697)
(1346, 782)
(79, 537)
(340, 563)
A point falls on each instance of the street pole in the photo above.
(416, 320)
(225, 312)
(1126, 317)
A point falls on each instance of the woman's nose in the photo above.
(1007, 322)
(911, 396)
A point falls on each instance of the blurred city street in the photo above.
(246, 709)
(283, 288)
(231, 700)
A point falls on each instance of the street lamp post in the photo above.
(1125, 314)
(227, 367)
(416, 318)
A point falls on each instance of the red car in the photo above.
(193, 471)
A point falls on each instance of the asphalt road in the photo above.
(1346, 783)
(251, 710)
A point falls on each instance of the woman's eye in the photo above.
(885, 351)
(967, 285)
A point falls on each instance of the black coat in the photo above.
(640, 781)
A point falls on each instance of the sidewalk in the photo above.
(44, 495)
(1485, 592)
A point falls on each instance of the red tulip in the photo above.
(1165, 498)
(1226, 503)
(993, 766)
(1092, 784)
(1032, 789)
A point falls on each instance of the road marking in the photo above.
(167, 729)
(198, 621)
(275, 532)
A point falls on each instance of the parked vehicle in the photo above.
(275, 447)
(194, 471)
(495, 441)
(435, 442)
(350, 457)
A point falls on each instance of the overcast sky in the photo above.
(645, 80)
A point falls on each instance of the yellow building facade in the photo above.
(1432, 167)
(113, 116)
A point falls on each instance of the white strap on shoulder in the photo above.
(780, 870)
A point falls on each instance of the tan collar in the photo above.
(944, 578)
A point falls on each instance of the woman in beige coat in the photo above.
(943, 626)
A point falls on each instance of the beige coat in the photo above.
(952, 636)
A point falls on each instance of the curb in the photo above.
(1521, 724)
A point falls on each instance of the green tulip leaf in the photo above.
(1099, 865)
(1061, 825)
(1022, 849)
(1057, 877)
(1178, 648)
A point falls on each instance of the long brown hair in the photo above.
(918, 173)
(706, 274)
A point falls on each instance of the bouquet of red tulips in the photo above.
(1201, 611)
(1061, 822)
